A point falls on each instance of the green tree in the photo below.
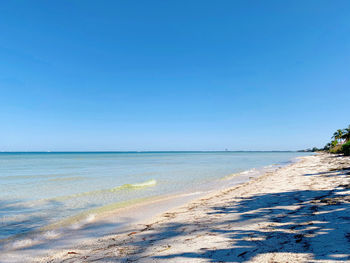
(327, 146)
(334, 143)
(345, 149)
(338, 135)
(346, 134)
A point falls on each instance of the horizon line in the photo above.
(175, 151)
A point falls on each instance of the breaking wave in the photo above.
(148, 183)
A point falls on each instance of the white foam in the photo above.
(89, 219)
(52, 234)
(23, 243)
(194, 193)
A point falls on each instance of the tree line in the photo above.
(340, 143)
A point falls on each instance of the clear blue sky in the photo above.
(173, 75)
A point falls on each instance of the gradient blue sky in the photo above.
(173, 75)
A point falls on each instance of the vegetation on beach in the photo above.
(340, 142)
(345, 149)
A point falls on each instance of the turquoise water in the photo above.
(39, 189)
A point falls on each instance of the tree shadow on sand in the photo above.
(291, 231)
(302, 222)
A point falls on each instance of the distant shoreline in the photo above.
(67, 152)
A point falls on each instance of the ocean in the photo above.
(39, 190)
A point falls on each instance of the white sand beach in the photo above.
(300, 213)
(174, 131)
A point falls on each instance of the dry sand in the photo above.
(300, 213)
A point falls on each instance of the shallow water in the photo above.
(40, 189)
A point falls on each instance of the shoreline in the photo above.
(286, 215)
(125, 216)
(62, 188)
